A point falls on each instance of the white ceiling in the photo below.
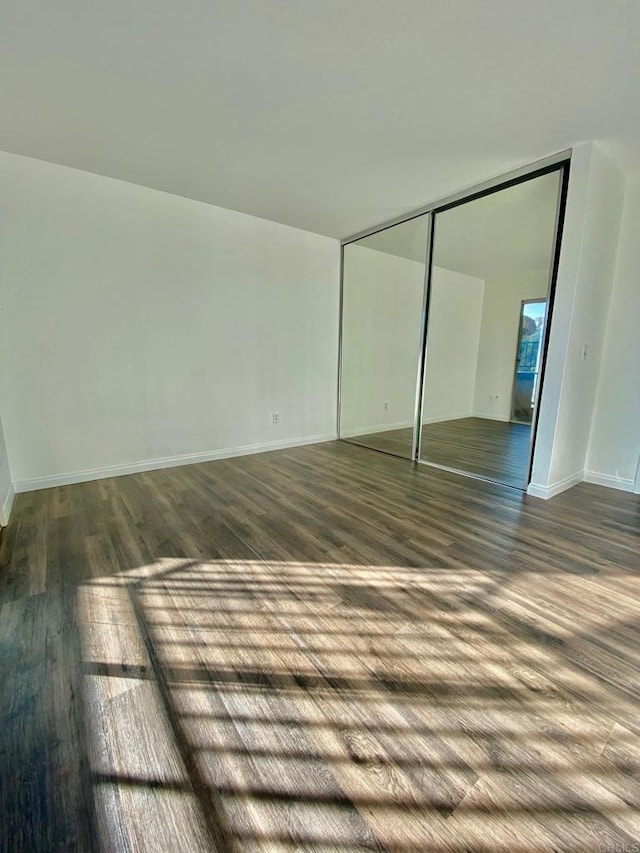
(500, 234)
(330, 115)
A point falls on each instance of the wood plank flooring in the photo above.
(320, 649)
(493, 449)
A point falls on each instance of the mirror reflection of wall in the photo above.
(491, 257)
(383, 285)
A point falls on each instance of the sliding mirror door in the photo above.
(490, 277)
(382, 307)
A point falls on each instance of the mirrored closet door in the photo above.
(445, 320)
(383, 282)
(490, 275)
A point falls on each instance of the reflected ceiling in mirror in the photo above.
(501, 233)
(406, 240)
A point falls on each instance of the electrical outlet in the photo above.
(275, 417)
(386, 405)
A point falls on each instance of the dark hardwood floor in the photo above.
(496, 450)
(320, 649)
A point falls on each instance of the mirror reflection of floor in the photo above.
(497, 450)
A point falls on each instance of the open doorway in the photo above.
(526, 375)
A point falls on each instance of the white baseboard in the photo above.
(354, 433)
(71, 477)
(546, 492)
(437, 419)
(485, 416)
(613, 482)
(442, 418)
(5, 509)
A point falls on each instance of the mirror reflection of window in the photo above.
(528, 358)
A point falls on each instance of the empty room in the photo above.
(319, 426)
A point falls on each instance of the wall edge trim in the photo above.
(546, 492)
(5, 509)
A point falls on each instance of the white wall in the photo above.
(381, 341)
(499, 339)
(455, 315)
(141, 329)
(614, 444)
(585, 274)
(6, 486)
